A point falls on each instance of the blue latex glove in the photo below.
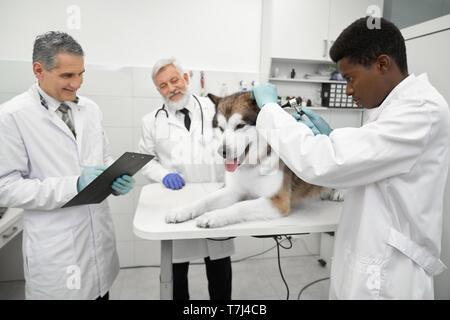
(309, 124)
(123, 184)
(173, 181)
(88, 175)
(265, 94)
(318, 121)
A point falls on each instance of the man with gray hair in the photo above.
(181, 137)
(53, 146)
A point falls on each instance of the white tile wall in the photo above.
(117, 111)
(107, 81)
(16, 76)
(125, 95)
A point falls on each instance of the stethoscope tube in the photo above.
(163, 108)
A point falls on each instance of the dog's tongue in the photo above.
(230, 166)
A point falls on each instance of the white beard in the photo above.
(176, 106)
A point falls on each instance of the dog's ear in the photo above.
(214, 99)
(253, 104)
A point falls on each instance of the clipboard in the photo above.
(100, 188)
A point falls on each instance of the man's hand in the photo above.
(88, 175)
(173, 181)
(264, 94)
(322, 126)
(123, 184)
(309, 124)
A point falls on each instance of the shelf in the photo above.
(327, 109)
(301, 61)
(305, 80)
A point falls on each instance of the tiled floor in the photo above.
(253, 279)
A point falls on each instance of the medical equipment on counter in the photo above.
(254, 84)
(202, 84)
(243, 86)
(223, 90)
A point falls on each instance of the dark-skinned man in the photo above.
(395, 166)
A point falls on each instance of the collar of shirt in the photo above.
(375, 112)
(52, 103)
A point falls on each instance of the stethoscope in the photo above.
(163, 108)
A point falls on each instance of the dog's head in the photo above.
(236, 118)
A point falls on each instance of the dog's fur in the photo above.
(260, 187)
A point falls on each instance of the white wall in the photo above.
(204, 34)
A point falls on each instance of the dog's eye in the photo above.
(240, 126)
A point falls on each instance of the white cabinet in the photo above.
(305, 29)
(344, 12)
(299, 29)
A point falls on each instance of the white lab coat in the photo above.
(193, 156)
(388, 240)
(68, 253)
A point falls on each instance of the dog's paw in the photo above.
(332, 194)
(180, 214)
(337, 195)
(211, 219)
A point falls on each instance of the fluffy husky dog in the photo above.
(258, 185)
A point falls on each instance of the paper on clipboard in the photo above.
(99, 189)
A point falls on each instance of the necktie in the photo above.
(64, 109)
(187, 119)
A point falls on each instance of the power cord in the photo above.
(277, 238)
(310, 284)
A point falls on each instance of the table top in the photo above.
(10, 217)
(156, 200)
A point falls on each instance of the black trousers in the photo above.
(218, 273)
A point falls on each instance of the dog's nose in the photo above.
(222, 151)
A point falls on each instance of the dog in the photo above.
(258, 185)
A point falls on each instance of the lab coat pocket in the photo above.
(362, 278)
(50, 262)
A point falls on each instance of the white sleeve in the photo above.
(349, 156)
(153, 170)
(107, 158)
(20, 192)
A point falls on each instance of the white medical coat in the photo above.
(68, 253)
(388, 240)
(190, 154)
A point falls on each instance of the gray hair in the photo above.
(162, 63)
(48, 45)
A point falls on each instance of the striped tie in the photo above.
(64, 109)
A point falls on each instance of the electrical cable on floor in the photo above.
(276, 238)
(199, 263)
(310, 284)
(257, 254)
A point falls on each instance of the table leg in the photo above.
(326, 247)
(165, 278)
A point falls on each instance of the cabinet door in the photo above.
(344, 12)
(300, 29)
